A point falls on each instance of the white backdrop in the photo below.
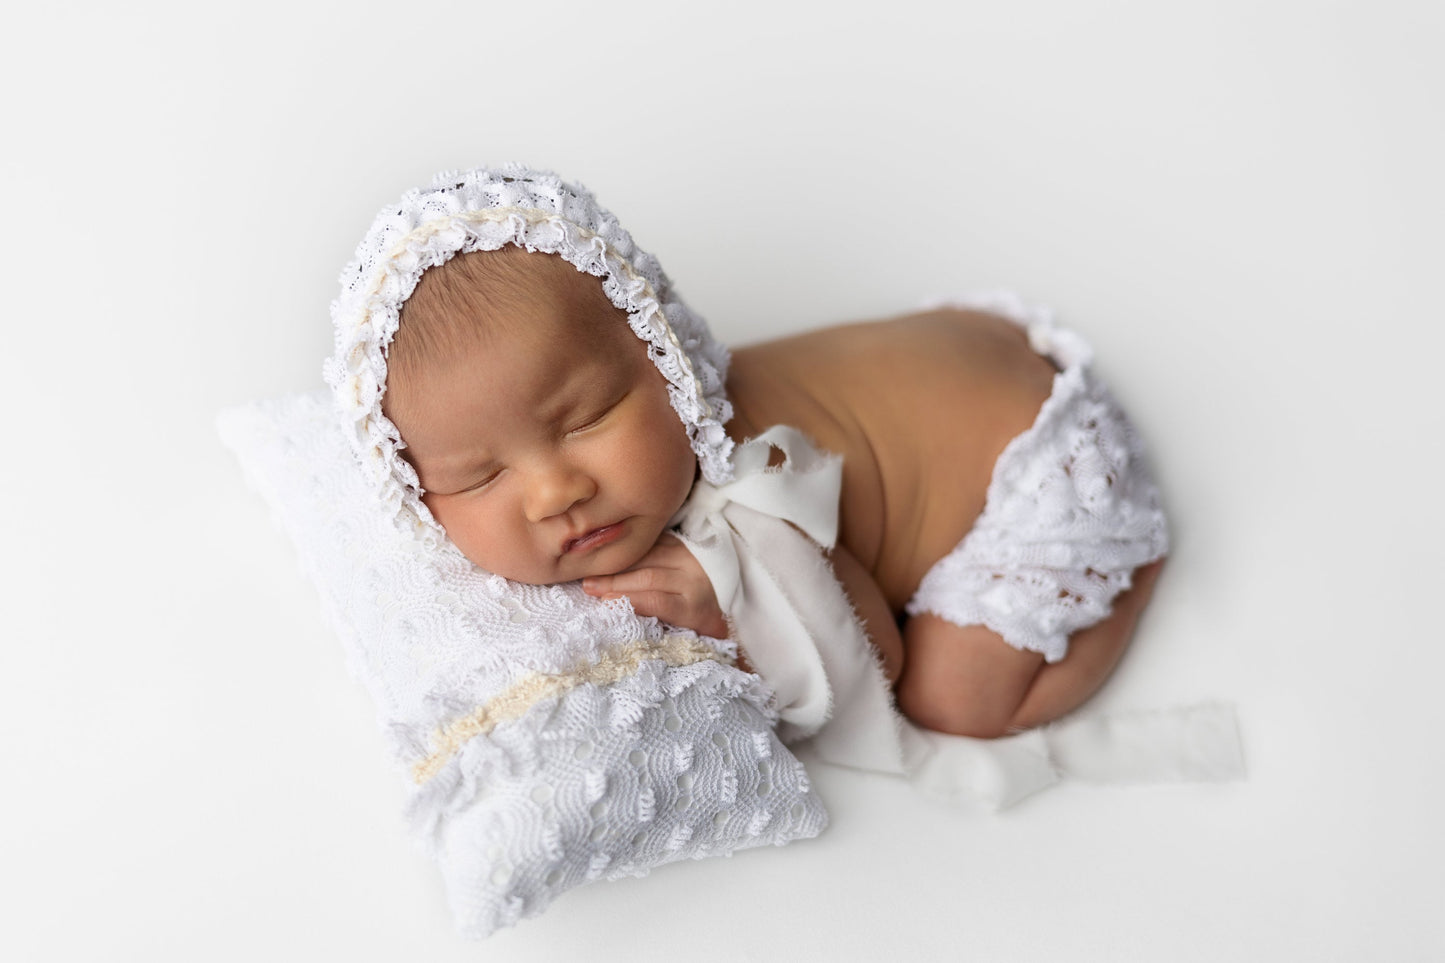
(1237, 201)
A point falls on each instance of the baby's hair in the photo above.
(474, 296)
(457, 302)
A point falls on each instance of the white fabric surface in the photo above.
(1233, 200)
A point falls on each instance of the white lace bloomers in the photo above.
(1071, 510)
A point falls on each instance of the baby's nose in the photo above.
(555, 490)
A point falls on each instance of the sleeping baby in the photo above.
(979, 499)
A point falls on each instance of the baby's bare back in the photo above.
(919, 406)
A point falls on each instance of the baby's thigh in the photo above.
(965, 679)
(962, 679)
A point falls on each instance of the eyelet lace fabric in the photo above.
(1071, 510)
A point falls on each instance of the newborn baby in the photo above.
(995, 514)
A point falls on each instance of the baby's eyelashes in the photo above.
(597, 417)
(485, 481)
(589, 423)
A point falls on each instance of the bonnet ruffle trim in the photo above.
(483, 210)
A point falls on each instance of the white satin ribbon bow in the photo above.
(787, 608)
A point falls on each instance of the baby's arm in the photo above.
(667, 583)
(872, 609)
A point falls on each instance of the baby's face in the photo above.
(548, 450)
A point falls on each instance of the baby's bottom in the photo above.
(1061, 561)
(967, 680)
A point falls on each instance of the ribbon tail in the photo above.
(776, 636)
(862, 728)
(1198, 743)
(712, 543)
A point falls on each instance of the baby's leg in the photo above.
(1061, 687)
(968, 681)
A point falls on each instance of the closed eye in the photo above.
(596, 419)
(485, 482)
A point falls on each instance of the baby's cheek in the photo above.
(679, 468)
(501, 551)
(465, 536)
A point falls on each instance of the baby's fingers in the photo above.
(628, 583)
(664, 594)
(659, 605)
(645, 602)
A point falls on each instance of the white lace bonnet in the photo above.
(482, 210)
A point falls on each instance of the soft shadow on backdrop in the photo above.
(1239, 203)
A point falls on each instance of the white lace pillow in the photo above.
(551, 739)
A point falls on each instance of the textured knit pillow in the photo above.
(550, 739)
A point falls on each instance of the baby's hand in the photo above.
(669, 584)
